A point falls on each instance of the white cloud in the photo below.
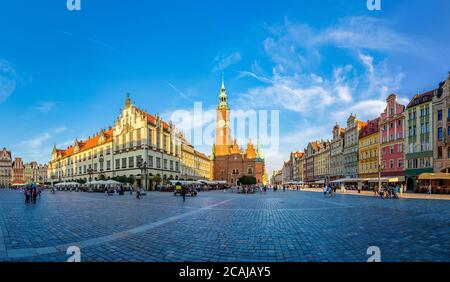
(44, 107)
(364, 110)
(224, 61)
(297, 52)
(295, 140)
(379, 78)
(365, 33)
(8, 80)
(38, 148)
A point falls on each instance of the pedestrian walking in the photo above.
(183, 193)
(33, 194)
(138, 194)
(27, 194)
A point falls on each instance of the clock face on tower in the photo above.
(221, 123)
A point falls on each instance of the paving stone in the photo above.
(217, 226)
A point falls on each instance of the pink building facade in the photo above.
(392, 136)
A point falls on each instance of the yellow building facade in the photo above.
(369, 150)
(194, 164)
(137, 138)
(322, 161)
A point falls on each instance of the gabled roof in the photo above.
(421, 98)
(87, 144)
(152, 119)
(360, 123)
(371, 127)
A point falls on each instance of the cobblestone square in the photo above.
(222, 226)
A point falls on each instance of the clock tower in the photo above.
(223, 138)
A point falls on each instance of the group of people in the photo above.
(329, 190)
(31, 193)
(388, 192)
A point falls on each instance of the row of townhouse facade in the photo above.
(402, 143)
(16, 172)
(139, 145)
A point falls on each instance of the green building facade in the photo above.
(419, 138)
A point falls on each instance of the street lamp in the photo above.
(143, 167)
(90, 171)
(52, 177)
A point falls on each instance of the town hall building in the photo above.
(230, 162)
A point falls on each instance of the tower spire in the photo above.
(223, 98)
(127, 100)
(223, 82)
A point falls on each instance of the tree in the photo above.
(247, 180)
(157, 179)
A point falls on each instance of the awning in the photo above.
(347, 180)
(434, 176)
(67, 184)
(382, 179)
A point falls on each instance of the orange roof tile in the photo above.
(361, 123)
(152, 119)
(87, 144)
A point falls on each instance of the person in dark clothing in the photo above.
(27, 194)
(138, 194)
(33, 194)
(183, 193)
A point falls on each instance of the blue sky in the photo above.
(64, 74)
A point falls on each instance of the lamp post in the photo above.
(143, 167)
(52, 177)
(90, 171)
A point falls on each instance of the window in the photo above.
(400, 148)
(439, 115)
(123, 141)
(171, 165)
(150, 161)
(138, 137)
(440, 134)
(108, 165)
(448, 114)
(117, 164)
(400, 163)
(124, 162)
(177, 166)
(249, 170)
(158, 162)
(439, 152)
(392, 149)
(139, 161)
(130, 162)
(165, 163)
